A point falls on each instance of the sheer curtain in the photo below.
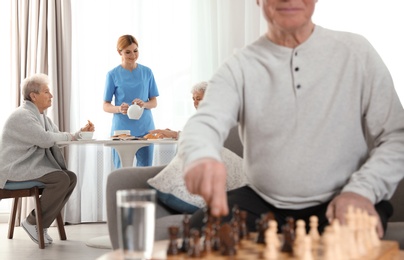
(40, 43)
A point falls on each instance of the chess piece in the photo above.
(352, 249)
(360, 239)
(271, 245)
(195, 249)
(172, 246)
(336, 228)
(216, 237)
(235, 223)
(273, 229)
(227, 242)
(208, 241)
(288, 236)
(244, 234)
(300, 235)
(186, 234)
(313, 232)
(262, 225)
(236, 230)
(307, 249)
(373, 233)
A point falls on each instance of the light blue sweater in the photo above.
(27, 150)
(315, 120)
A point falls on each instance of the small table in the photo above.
(125, 148)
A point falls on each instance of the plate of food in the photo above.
(122, 137)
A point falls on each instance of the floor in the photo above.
(22, 247)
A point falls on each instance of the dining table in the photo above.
(87, 202)
(126, 148)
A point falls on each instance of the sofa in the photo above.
(136, 178)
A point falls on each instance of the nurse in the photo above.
(131, 83)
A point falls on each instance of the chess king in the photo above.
(319, 118)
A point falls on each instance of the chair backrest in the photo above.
(233, 142)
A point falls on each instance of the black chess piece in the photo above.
(195, 249)
(227, 241)
(244, 234)
(216, 238)
(288, 239)
(172, 246)
(208, 241)
(186, 234)
(262, 226)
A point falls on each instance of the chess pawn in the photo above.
(373, 233)
(313, 232)
(227, 242)
(236, 230)
(195, 249)
(243, 225)
(262, 225)
(271, 247)
(273, 229)
(360, 239)
(288, 239)
(300, 235)
(186, 234)
(367, 231)
(216, 238)
(172, 246)
(328, 244)
(351, 236)
(307, 250)
(208, 241)
(336, 228)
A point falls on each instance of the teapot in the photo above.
(135, 111)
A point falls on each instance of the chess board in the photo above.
(249, 250)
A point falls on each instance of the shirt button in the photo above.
(298, 86)
(295, 53)
(297, 69)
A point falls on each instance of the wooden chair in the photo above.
(17, 190)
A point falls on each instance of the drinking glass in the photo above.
(136, 222)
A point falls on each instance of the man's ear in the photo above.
(119, 52)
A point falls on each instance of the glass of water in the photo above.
(136, 222)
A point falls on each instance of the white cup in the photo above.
(135, 111)
(86, 135)
(136, 210)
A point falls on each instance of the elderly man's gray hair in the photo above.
(33, 83)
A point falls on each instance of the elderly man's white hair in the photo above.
(201, 86)
(33, 83)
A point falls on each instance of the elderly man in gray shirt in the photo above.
(321, 124)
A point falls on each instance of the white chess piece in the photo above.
(307, 250)
(351, 237)
(299, 239)
(314, 235)
(271, 250)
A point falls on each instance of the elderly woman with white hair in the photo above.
(28, 153)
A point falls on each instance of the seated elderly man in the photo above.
(28, 153)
